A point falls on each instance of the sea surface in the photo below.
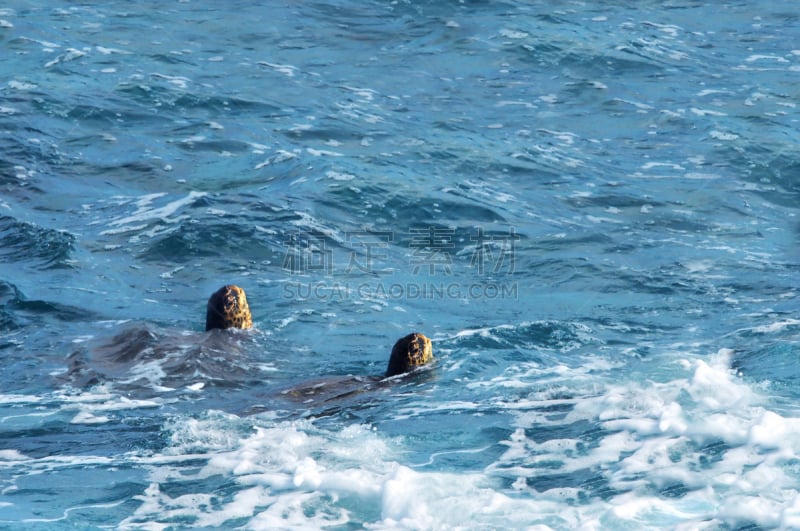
(591, 208)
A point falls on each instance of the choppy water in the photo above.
(591, 208)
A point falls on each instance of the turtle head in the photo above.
(227, 308)
(411, 351)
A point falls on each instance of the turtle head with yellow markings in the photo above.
(227, 308)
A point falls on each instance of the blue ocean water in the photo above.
(590, 208)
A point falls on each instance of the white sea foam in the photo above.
(279, 156)
(693, 425)
(146, 213)
(70, 55)
(12, 455)
(339, 176)
(706, 112)
(21, 85)
(323, 153)
(86, 417)
(180, 82)
(287, 70)
(366, 94)
(776, 326)
(526, 104)
(295, 475)
(762, 57)
(489, 193)
(721, 135)
(512, 34)
(109, 51)
(669, 29)
(311, 224)
(657, 435)
(650, 165)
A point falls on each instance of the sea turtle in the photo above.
(330, 395)
(326, 395)
(227, 308)
(142, 357)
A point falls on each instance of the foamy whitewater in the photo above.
(591, 210)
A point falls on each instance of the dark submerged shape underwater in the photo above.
(408, 353)
(227, 308)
